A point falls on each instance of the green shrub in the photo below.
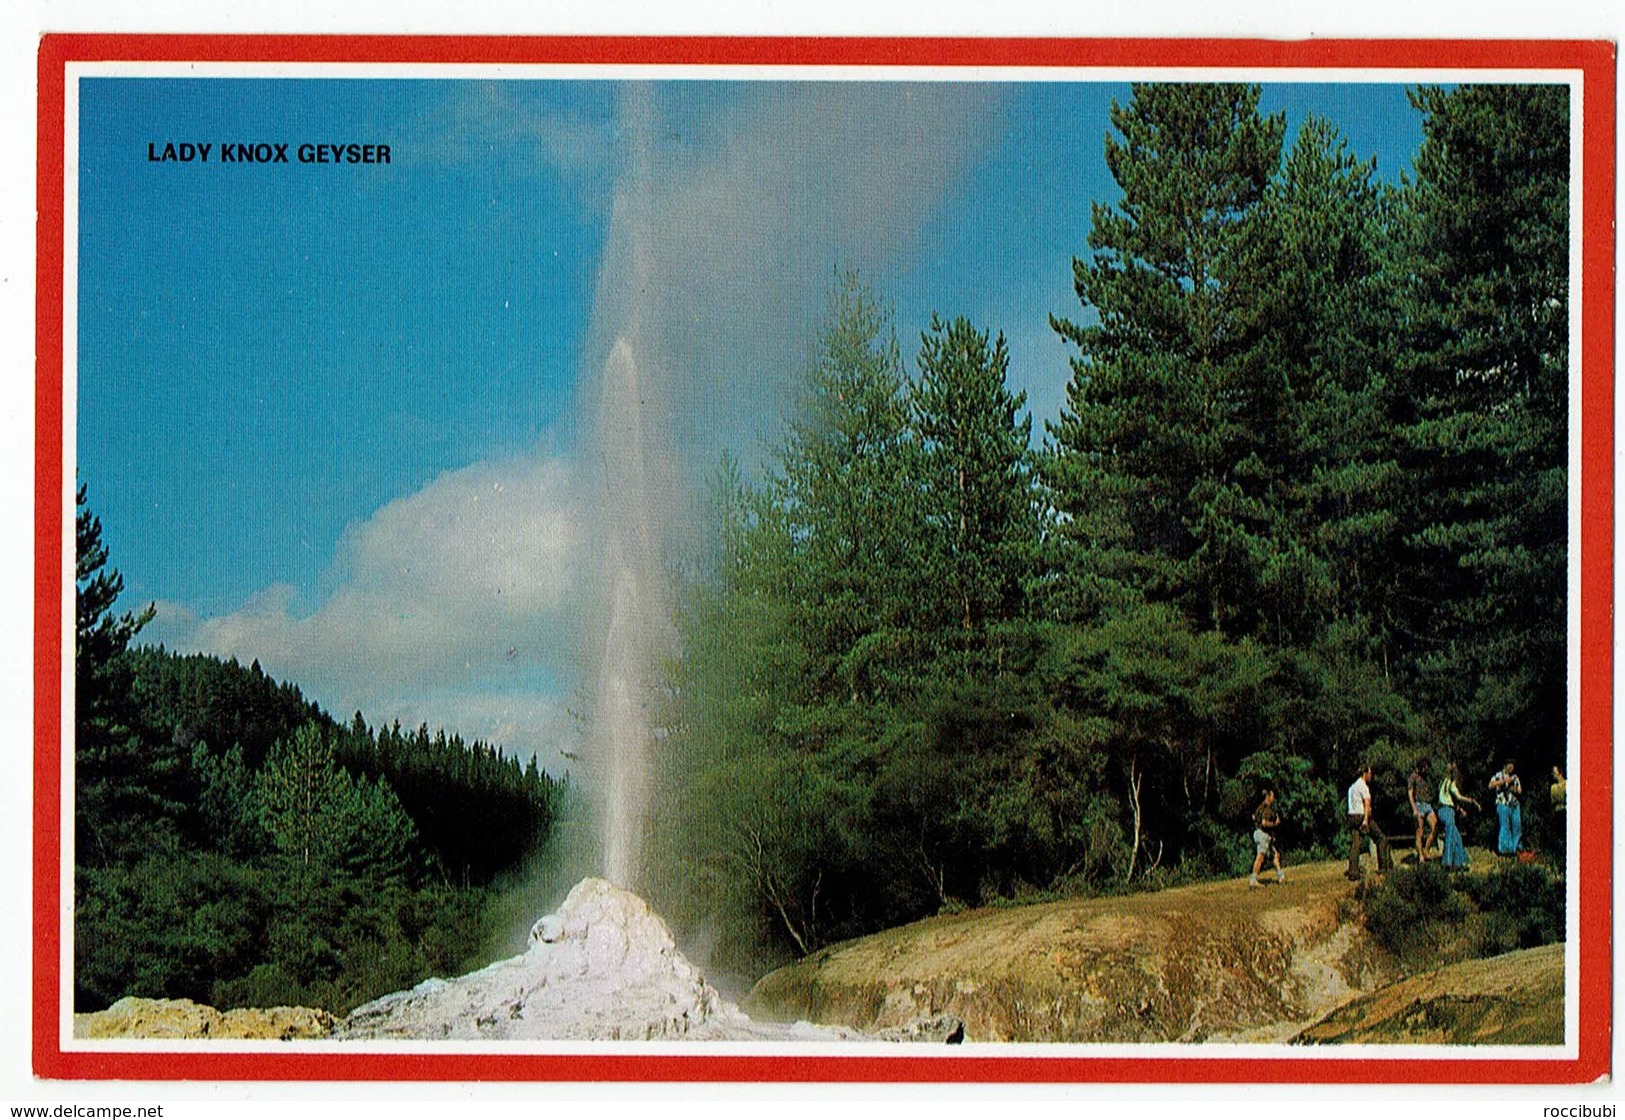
(1427, 918)
(1418, 915)
(266, 985)
(1523, 906)
(165, 927)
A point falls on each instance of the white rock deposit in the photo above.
(604, 966)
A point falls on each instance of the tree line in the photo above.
(1305, 505)
(235, 845)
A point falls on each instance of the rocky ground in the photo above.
(1215, 962)
(181, 1018)
(1513, 999)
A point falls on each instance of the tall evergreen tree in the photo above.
(101, 636)
(1324, 570)
(847, 494)
(1157, 467)
(1486, 385)
(1329, 299)
(976, 485)
(327, 822)
(1151, 446)
(116, 797)
(300, 793)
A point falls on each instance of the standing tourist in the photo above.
(1451, 800)
(1508, 790)
(1418, 790)
(1362, 827)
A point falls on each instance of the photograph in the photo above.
(871, 560)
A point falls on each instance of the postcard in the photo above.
(839, 560)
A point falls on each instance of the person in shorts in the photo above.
(1266, 819)
(1419, 788)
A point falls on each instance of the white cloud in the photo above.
(462, 592)
(170, 615)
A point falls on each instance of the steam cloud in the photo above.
(486, 598)
(712, 271)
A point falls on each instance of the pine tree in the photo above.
(1162, 468)
(1151, 450)
(100, 635)
(1324, 573)
(1332, 453)
(116, 796)
(300, 792)
(1487, 388)
(976, 486)
(329, 823)
(849, 504)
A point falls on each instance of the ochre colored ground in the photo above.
(1214, 962)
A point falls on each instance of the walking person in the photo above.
(1508, 790)
(1363, 827)
(1451, 800)
(1266, 819)
(1418, 790)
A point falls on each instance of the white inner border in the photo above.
(1573, 79)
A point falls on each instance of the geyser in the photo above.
(635, 619)
(632, 512)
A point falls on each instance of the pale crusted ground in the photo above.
(1212, 962)
(181, 1018)
(603, 967)
(1513, 999)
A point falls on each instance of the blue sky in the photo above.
(269, 353)
(331, 417)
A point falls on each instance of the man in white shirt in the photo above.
(1362, 826)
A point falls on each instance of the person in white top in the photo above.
(1363, 826)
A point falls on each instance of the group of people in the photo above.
(1433, 807)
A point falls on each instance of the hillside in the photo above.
(1213, 962)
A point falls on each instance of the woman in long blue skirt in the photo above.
(1451, 800)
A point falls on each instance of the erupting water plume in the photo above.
(732, 207)
(634, 473)
(621, 730)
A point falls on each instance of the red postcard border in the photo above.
(1595, 60)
